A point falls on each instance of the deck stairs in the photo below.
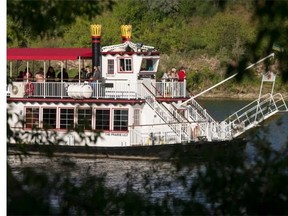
(254, 113)
(199, 115)
(179, 124)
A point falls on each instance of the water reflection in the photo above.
(142, 176)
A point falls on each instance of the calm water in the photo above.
(116, 170)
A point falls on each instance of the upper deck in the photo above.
(124, 71)
(100, 89)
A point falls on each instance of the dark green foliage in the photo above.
(48, 17)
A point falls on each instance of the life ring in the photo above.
(29, 88)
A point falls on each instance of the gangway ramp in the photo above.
(254, 113)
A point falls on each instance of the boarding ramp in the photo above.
(254, 113)
(259, 110)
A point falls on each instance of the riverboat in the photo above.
(125, 110)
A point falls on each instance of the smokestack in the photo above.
(126, 31)
(96, 39)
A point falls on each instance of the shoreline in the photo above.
(221, 96)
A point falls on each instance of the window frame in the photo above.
(121, 120)
(103, 127)
(127, 67)
(49, 119)
(35, 121)
(87, 125)
(110, 66)
(68, 121)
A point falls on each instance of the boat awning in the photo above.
(48, 53)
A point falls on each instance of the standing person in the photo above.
(65, 75)
(166, 76)
(82, 74)
(181, 74)
(20, 76)
(88, 73)
(94, 78)
(50, 75)
(174, 75)
(174, 83)
(96, 73)
(27, 75)
(166, 79)
(39, 76)
(181, 77)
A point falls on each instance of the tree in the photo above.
(48, 18)
(272, 21)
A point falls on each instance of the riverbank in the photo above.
(241, 96)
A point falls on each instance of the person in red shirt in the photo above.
(181, 74)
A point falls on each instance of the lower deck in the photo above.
(93, 122)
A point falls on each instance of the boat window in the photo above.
(136, 117)
(125, 65)
(120, 120)
(66, 118)
(32, 117)
(147, 64)
(85, 119)
(49, 118)
(110, 66)
(102, 119)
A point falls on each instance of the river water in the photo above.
(116, 170)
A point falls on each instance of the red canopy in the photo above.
(48, 53)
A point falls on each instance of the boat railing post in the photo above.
(44, 90)
(61, 85)
(163, 87)
(172, 88)
(184, 88)
(96, 89)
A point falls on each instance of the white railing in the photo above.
(254, 113)
(107, 90)
(170, 89)
(198, 113)
(153, 135)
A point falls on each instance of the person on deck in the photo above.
(27, 75)
(20, 76)
(50, 75)
(166, 76)
(88, 73)
(39, 76)
(95, 74)
(65, 75)
(166, 79)
(174, 75)
(181, 74)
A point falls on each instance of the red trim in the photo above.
(61, 53)
(70, 100)
(94, 100)
(48, 53)
(130, 53)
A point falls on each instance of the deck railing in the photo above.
(254, 113)
(106, 90)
